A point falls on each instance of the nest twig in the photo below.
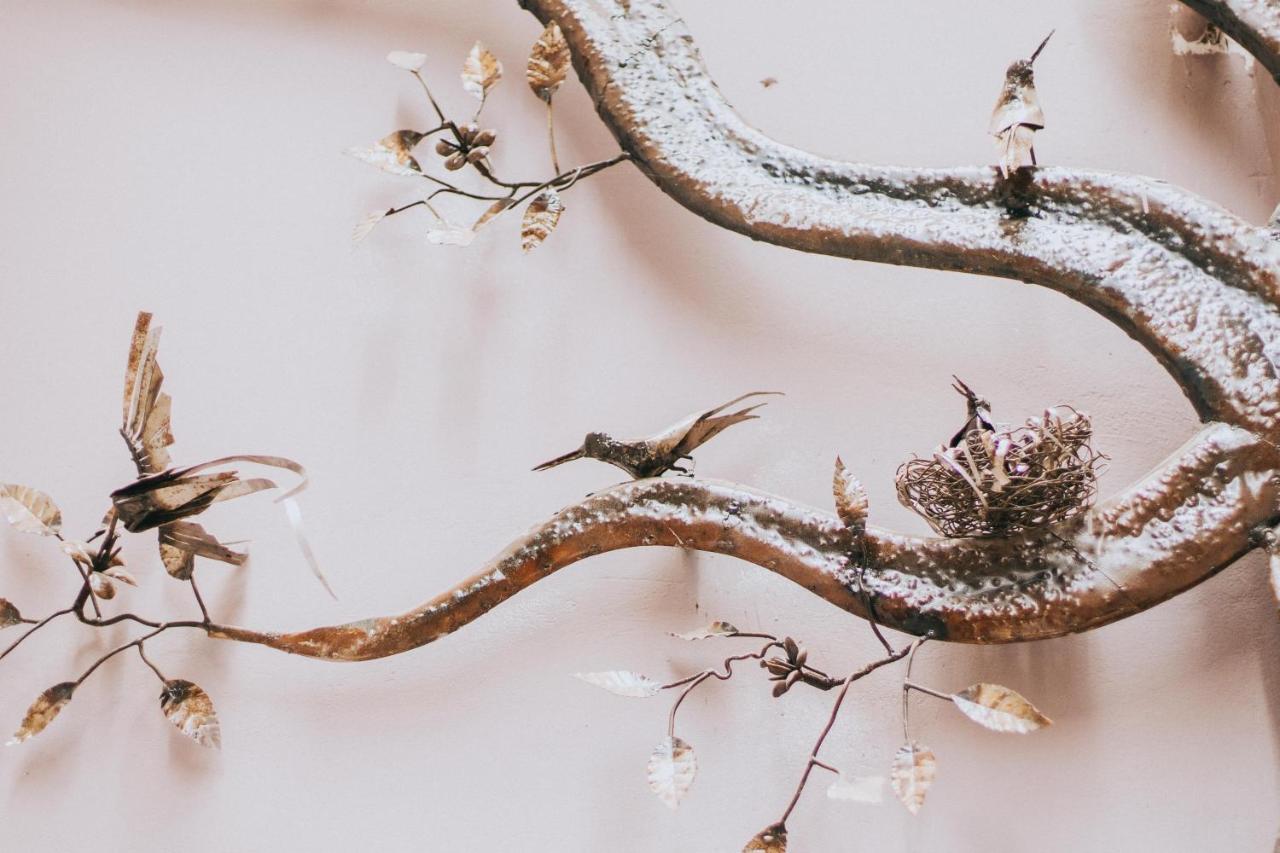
(998, 481)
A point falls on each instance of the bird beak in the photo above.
(1032, 60)
(560, 460)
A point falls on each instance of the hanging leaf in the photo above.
(366, 225)
(407, 60)
(852, 503)
(42, 711)
(29, 511)
(190, 709)
(9, 615)
(999, 709)
(450, 235)
(480, 70)
(715, 629)
(857, 789)
(495, 210)
(548, 62)
(672, 766)
(771, 839)
(622, 683)
(913, 770)
(540, 219)
(182, 541)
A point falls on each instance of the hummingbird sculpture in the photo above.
(1017, 115)
(979, 409)
(653, 456)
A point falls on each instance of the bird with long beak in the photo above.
(1017, 115)
(657, 454)
(979, 412)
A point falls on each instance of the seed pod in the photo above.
(467, 132)
(779, 689)
(791, 647)
(455, 161)
(486, 137)
(475, 155)
(444, 148)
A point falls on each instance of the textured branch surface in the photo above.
(1198, 287)
(1255, 24)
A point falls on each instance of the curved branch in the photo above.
(1255, 24)
(1195, 285)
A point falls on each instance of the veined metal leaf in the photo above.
(385, 159)
(771, 839)
(407, 60)
(852, 502)
(495, 210)
(1000, 709)
(914, 768)
(29, 510)
(450, 235)
(189, 708)
(548, 62)
(480, 71)
(857, 789)
(9, 615)
(366, 225)
(540, 219)
(42, 711)
(622, 683)
(672, 766)
(715, 629)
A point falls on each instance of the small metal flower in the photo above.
(471, 145)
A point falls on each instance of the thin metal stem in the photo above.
(142, 654)
(38, 625)
(551, 136)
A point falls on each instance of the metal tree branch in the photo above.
(1255, 24)
(1197, 286)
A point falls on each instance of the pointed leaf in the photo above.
(480, 70)
(914, 767)
(386, 160)
(9, 615)
(548, 62)
(852, 503)
(1000, 709)
(42, 711)
(366, 225)
(771, 839)
(450, 235)
(190, 709)
(622, 683)
(857, 789)
(407, 60)
(672, 766)
(540, 219)
(29, 511)
(495, 210)
(715, 629)
(121, 575)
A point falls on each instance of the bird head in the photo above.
(592, 447)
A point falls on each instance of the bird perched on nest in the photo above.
(653, 456)
(1017, 115)
(979, 411)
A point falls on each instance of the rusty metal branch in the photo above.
(1254, 24)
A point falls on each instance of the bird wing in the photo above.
(146, 407)
(693, 432)
(1018, 105)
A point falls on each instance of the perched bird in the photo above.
(652, 456)
(1018, 115)
(979, 409)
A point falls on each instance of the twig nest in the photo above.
(996, 481)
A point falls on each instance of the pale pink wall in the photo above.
(183, 158)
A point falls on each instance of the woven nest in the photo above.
(998, 481)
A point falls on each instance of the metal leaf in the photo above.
(366, 225)
(857, 789)
(771, 839)
(494, 211)
(386, 160)
(540, 219)
(622, 683)
(42, 711)
(121, 575)
(9, 615)
(715, 629)
(548, 62)
(672, 766)
(852, 502)
(189, 708)
(450, 235)
(1000, 709)
(914, 767)
(29, 511)
(480, 70)
(407, 60)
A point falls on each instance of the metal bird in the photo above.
(1017, 115)
(978, 411)
(652, 456)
